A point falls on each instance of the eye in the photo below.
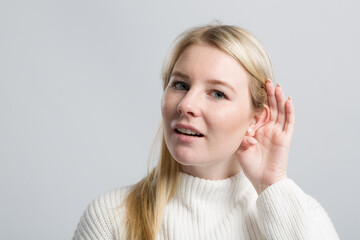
(218, 95)
(180, 85)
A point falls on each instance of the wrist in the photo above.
(262, 186)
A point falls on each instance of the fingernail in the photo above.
(268, 81)
(277, 85)
(252, 140)
(289, 98)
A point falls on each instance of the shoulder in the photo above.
(112, 199)
(103, 217)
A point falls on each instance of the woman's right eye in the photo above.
(181, 86)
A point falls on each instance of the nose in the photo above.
(189, 104)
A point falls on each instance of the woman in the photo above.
(225, 146)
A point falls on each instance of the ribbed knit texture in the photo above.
(218, 209)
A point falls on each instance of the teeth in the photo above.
(187, 131)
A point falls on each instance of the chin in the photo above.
(185, 160)
(191, 162)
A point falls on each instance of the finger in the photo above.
(271, 100)
(290, 117)
(280, 101)
(247, 142)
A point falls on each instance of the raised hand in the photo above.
(263, 153)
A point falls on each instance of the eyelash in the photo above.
(175, 83)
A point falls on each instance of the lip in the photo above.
(180, 125)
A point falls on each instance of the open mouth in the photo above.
(188, 132)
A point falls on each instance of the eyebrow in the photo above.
(212, 81)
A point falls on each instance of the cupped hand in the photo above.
(263, 153)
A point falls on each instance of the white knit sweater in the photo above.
(218, 209)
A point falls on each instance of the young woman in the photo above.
(226, 134)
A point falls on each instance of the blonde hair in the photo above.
(147, 199)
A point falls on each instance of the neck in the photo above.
(213, 171)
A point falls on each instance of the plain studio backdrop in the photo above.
(80, 94)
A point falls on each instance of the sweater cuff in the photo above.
(282, 212)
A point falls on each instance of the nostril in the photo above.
(187, 108)
(178, 108)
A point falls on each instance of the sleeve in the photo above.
(286, 212)
(94, 224)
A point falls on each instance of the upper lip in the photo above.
(180, 125)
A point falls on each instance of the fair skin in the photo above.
(208, 95)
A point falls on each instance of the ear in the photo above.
(259, 120)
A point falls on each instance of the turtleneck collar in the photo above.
(211, 192)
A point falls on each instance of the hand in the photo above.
(263, 155)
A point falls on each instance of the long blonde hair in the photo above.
(147, 199)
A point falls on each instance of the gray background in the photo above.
(80, 98)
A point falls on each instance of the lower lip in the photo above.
(187, 138)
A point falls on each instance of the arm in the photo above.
(286, 212)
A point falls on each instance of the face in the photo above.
(206, 108)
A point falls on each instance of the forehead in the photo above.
(202, 61)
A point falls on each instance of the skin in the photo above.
(226, 147)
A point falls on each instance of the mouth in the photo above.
(188, 132)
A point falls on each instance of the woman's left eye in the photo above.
(218, 95)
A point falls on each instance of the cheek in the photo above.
(169, 103)
(166, 116)
(165, 105)
(231, 123)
